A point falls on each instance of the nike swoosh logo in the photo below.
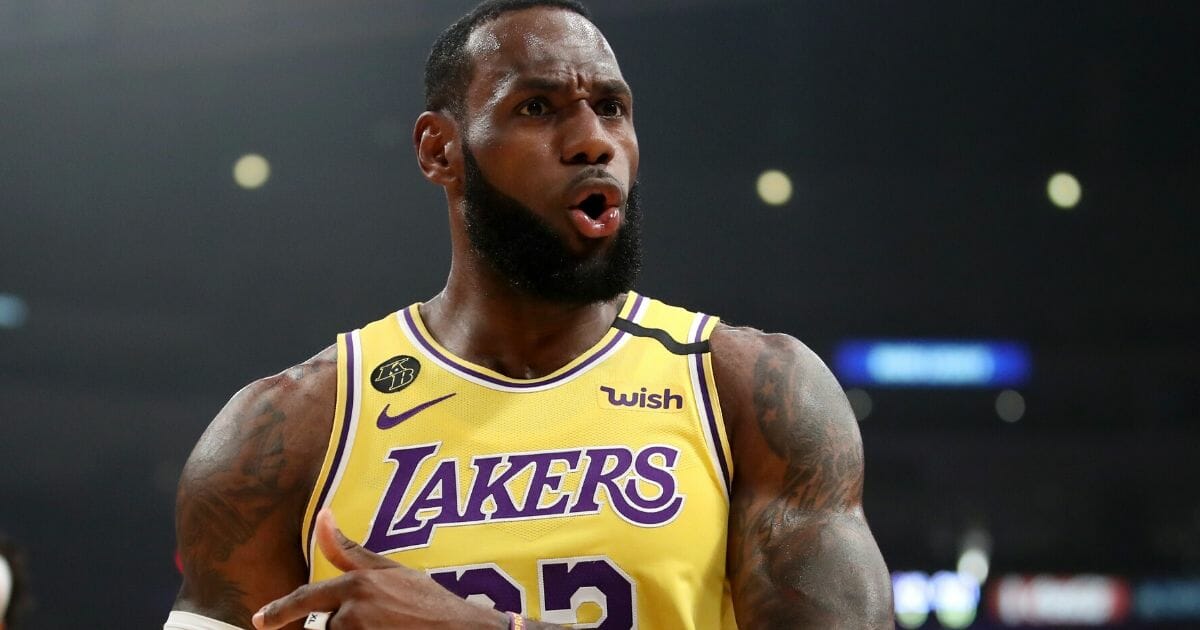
(386, 421)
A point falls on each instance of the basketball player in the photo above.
(537, 445)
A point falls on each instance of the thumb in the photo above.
(343, 553)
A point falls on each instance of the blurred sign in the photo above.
(1083, 600)
(931, 363)
(1168, 600)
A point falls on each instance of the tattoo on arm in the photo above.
(211, 585)
(221, 508)
(824, 456)
(800, 551)
(244, 488)
(223, 500)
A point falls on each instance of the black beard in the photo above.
(524, 250)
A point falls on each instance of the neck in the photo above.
(483, 319)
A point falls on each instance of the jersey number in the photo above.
(566, 584)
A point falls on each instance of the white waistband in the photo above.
(179, 620)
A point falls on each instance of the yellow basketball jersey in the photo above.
(596, 496)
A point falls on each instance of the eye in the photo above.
(611, 108)
(534, 107)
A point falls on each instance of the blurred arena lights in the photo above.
(13, 311)
(1064, 190)
(251, 171)
(931, 363)
(1072, 600)
(973, 563)
(1168, 600)
(954, 599)
(911, 599)
(1010, 405)
(975, 549)
(1062, 600)
(774, 187)
(860, 402)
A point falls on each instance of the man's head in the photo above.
(530, 131)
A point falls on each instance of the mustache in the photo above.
(596, 172)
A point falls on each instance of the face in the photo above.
(548, 145)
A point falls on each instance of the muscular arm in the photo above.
(243, 492)
(800, 552)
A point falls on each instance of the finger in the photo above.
(327, 595)
(343, 553)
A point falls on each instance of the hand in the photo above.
(374, 592)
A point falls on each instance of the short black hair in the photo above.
(448, 69)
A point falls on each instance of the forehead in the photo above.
(539, 41)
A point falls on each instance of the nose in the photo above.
(585, 139)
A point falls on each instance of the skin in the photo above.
(546, 101)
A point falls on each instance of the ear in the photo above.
(435, 138)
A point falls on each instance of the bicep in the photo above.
(801, 554)
(240, 503)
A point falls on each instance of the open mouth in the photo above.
(594, 205)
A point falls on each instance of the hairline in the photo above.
(458, 108)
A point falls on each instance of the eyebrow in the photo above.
(605, 87)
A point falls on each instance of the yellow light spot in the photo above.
(251, 171)
(774, 187)
(1064, 190)
(974, 564)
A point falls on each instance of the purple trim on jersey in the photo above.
(341, 445)
(706, 399)
(458, 365)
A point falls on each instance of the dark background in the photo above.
(919, 137)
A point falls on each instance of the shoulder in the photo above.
(757, 371)
(243, 491)
(291, 410)
(783, 408)
(742, 346)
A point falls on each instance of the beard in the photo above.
(525, 250)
